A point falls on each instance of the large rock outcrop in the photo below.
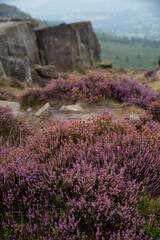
(68, 46)
(29, 53)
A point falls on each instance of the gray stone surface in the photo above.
(75, 108)
(21, 33)
(29, 109)
(43, 110)
(47, 71)
(3, 45)
(37, 79)
(58, 46)
(14, 67)
(18, 47)
(2, 72)
(58, 49)
(89, 47)
(68, 46)
(15, 106)
(17, 50)
(28, 75)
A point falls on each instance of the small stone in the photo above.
(48, 71)
(105, 64)
(43, 110)
(29, 109)
(75, 108)
(134, 117)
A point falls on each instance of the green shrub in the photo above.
(151, 212)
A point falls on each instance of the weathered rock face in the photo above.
(18, 48)
(58, 46)
(68, 46)
(14, 67)
(22, 34)
(89, 47)
(3, 45)
(28, 53)
(2, 72)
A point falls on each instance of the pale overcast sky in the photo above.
(68, 9)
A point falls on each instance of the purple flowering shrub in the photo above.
(12, 128)
(129, 90)
(7, 95)
(32, 97)
(92, 87)
(57, 88)
(82, 180)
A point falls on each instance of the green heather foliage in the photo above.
(151, 212)
(83, 180)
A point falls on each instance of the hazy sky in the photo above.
(67, 10)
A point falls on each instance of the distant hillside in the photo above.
(7, 11)
(129, 53)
